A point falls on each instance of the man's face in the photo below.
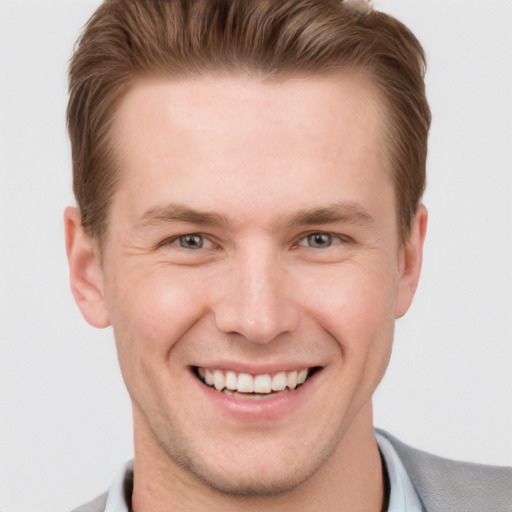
(252, 242)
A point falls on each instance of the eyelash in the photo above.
(181, 238)
(333, 238)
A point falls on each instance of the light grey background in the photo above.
(65, 425)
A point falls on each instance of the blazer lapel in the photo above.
(446, 485)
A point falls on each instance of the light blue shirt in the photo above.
(403, 497)
(115, 500)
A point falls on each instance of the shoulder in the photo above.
(445, 484)
(97, 505)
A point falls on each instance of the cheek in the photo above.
(151, 312)
(355, 305)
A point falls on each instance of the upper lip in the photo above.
(253, 369)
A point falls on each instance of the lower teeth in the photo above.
(256, 396)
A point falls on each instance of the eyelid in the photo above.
(175, 238)
(343, 239)
(209, 243)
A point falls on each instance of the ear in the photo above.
(85, 270)
(410, 258)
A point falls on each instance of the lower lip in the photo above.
(267, 408)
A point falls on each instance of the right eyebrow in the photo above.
(173, 212)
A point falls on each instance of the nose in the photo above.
(257, 301)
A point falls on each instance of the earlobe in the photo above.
(409, 262)
(85, 271)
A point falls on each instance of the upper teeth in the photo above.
(247, 383)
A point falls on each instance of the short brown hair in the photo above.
(127, 39)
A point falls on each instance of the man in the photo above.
(249, 179)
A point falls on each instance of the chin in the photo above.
(253, 483)
(253, 472)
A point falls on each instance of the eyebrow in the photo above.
(180, 213)
(346, 212)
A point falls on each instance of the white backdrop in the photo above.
(64, 415)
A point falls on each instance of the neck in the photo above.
(351, 479)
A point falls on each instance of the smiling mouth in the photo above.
(246, 385)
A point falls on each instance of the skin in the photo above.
(253, 170)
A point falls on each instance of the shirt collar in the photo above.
(403, 496)
(120, 490)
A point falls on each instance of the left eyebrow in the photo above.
(345, 212)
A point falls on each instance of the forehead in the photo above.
(313, 103)
(221, 138)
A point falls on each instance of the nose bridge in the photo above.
(257, 304)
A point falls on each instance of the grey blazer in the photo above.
(443, 485)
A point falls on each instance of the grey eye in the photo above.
(319, 240)
(191, 241)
